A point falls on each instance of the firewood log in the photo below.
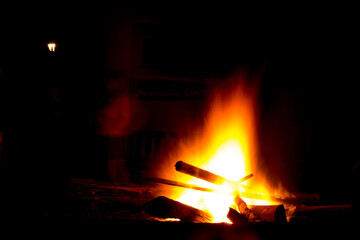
(178, 184)
(163, 207)
(324, 214)
(191, 170)
(269, 213)
(246, 177)
(244, 210)
(201, 173)
(298, 198)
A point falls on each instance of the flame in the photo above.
(226, 145)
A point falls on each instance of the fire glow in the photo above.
(225, 145)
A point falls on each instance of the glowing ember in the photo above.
(226, 146)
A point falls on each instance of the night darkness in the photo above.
(49, 102)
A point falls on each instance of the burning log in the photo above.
(200, 173)
(163, 207)
(179, 184)
(207, 176)
(245, 211)
(293, 199)
(270, 213)
(246, 178)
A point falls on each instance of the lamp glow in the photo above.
(51, 46)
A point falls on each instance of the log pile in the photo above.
(241, 213)
(141, 202)
(163, 207)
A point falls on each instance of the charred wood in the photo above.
(163, 207)
(331, 208)
(332, 213)
(293, 199)
(298, 198)
(307, 210)
(90, 198)
(235, 217)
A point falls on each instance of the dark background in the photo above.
(309, 55)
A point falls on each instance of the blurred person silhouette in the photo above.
(120, 116)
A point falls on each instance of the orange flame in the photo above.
(225, 145)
